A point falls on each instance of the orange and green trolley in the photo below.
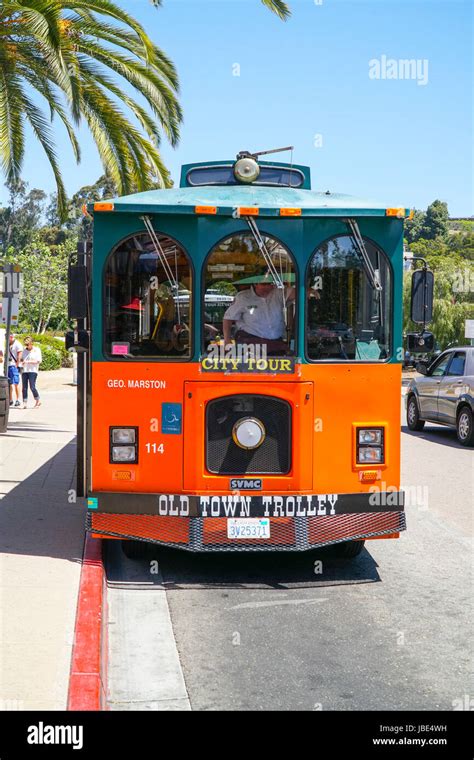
(191, 438)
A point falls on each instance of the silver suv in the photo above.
(445, 394)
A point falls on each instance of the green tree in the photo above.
(453, 297)
(76, 56)
(79, 222)
(22, 217)
(413, 227)
(224, 288)
(436, 220)
(43, 299)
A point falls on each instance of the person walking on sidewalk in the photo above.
(15, 351)
(31, 360)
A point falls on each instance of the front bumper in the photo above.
(199, 523)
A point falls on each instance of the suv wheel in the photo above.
(465, 426)
(413, 415)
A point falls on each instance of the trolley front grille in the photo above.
(225, 457)
(209, 534)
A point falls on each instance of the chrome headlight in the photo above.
(370, 436)
(248, 433)
(123, 453)
(370, 445)
(124, 445)
(123, 435)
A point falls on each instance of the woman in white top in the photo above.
(31, 360)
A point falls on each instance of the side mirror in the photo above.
(77, 292)
(421, 368)
(420, 343)
(422, 290)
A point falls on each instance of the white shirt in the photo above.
(14, 349)
(258, 315)
(32, 359)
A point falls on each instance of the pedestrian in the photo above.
(31, 360)
(15, 352)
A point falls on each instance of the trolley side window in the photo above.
(249, 295)
(347, 318)
(148, 299)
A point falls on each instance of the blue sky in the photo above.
(395, 140)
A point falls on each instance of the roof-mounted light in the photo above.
(205, 209)
(248, 210)
(398, 212)
(290, 212)
(103, 206)
(246, 169)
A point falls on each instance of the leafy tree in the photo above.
(23, 216)
(76, 56)
(436, 221)
(453, 297)
(78, 221)
(43, 301)
(224, 288)
(413, 227)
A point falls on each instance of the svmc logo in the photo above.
(246, 484)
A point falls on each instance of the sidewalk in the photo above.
(41, 542)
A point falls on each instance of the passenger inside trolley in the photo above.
(257, 282)
(257, 315)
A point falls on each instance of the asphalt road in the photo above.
(391, 629)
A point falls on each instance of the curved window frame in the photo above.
(291, 169)
(388, 262)
(192, 333)
(205, 263)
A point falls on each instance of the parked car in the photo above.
(445, 394)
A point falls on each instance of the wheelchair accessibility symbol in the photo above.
(171, 418)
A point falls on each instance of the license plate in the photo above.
(251, 527)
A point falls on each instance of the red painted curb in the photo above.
(88, 677)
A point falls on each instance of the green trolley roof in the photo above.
(269, 200)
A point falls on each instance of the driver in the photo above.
(258, 314)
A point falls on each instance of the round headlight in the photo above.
(248, 433)
(246, 170)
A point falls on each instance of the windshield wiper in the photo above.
(372, 274)
(161, 254)
(263, 249)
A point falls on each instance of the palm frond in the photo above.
(279, 7)
(41, 128)
(12, 141)
(81, 57)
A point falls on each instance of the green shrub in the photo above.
(51, 358)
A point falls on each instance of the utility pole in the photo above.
(10, 294)
(7, 301)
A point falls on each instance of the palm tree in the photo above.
(277, 6)
(69, 52)
(75, 56)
